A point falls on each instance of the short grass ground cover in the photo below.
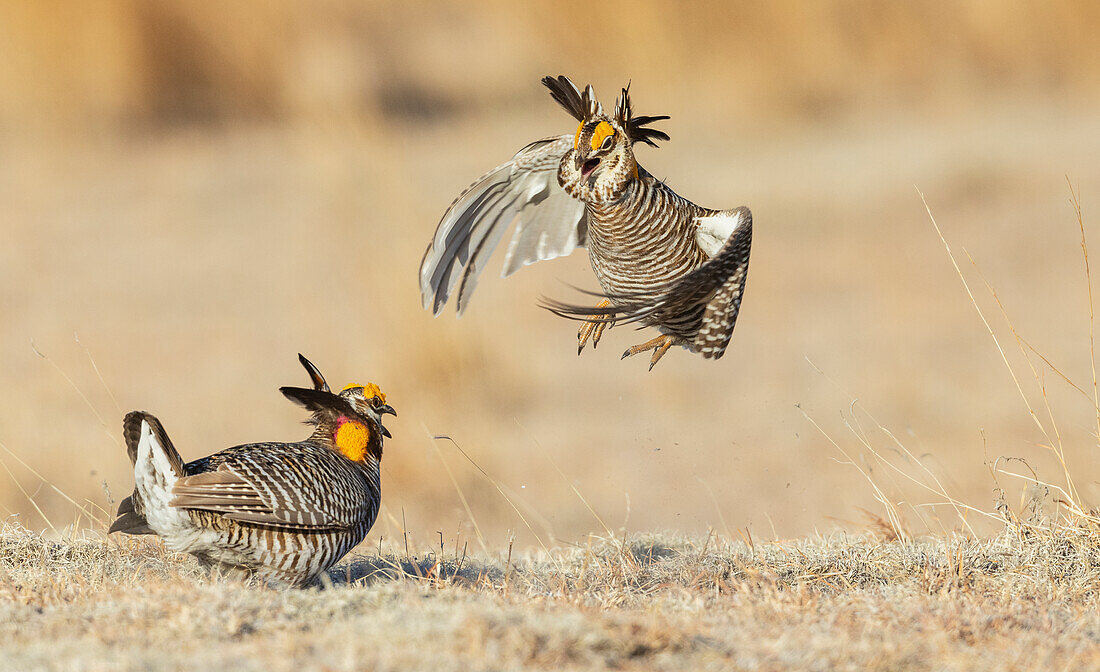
(1023, 600)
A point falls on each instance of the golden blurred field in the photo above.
(199, 191)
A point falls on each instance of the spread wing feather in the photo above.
(548, 223)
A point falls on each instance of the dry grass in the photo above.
(221, 186)
(1020, 601)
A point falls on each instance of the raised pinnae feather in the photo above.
(622, 106)
(314, 374)
(322, 404)
(636, 127)
(566, 94)
(592, 106)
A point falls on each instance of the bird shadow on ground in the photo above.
(370, 570)
(649, 553)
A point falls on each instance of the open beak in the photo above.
(585, 166)
(382, 410)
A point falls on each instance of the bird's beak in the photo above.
(383, 410)
(578, 160)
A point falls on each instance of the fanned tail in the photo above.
(162, 457)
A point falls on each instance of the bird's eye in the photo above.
(606, 143)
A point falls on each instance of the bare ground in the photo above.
(1020, 601)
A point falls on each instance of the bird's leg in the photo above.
(659, 345)
(593, 327)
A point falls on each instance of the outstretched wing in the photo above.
(717, 285)
(255, 487)
(549, 223)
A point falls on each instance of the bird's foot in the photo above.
(658, 345)
(593, 327)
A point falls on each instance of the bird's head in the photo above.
(601, 165)
(369, 400)
(351, 421)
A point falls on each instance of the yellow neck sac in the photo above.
(352, 438)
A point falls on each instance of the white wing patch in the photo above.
(713, 231)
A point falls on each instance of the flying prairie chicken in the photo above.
(661, 260)
(283, 512)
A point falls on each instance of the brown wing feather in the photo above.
(301, 486)
(229, 494)
(222, 490)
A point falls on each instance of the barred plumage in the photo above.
(661, 260)
(283, 512)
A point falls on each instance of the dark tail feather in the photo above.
(129, 521)
(625, 310)
(131, 431)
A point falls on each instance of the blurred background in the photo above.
(191, 193)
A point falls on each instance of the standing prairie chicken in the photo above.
(283, 512)
(661, 260)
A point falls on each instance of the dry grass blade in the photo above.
(49, 484)
(458, 489)
(1075, 200)
(500, 490)
(981, 314)
(84, 397)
